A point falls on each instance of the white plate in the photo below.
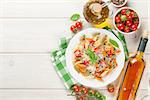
(94, 83)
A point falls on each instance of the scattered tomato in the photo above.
(76, 88)
(121, 26)
(78, 25)
(133, 27)
(129, 23)
(84, 90)
(117, 19)
(81, 98)
(73, 29)
(110, 88)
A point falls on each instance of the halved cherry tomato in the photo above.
(129, 17)
(86, 62)
(127, 29)
(78, 53)
(134, 27)
(110, 88)
(92, 41)
(123, 11)
(117, 19)
(129, 23)
(121, 26)
(133, 14)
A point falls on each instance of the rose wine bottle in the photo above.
(134, 71)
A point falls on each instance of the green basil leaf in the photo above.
(114, 43)
(92, 56)
(75, 17)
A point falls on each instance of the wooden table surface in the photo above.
(28, 30)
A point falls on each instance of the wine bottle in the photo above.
(134, 71)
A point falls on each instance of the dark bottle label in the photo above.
(142, 44)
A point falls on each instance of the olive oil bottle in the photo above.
(134, 71)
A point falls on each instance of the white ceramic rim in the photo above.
(115, 23)
(125, 2)
(94, 83)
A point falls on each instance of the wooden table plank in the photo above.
(57, 94)
(28, 71)
(39, 35)
(54, 9)
(35, 95)
(36, 71)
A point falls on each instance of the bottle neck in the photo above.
(141, 47)
(139, 54)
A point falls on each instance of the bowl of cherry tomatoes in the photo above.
(126, 20)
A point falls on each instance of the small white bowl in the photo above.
(133, 32)
(125, 2)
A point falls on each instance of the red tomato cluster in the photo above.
(78, 26)
(127, 20)
(83, 92)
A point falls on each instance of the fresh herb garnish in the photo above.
(75, 17)
(92, 56)
(114, 43)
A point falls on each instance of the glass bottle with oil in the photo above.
(134, 71)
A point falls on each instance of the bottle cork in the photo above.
(145, 34)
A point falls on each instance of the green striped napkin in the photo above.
(59, 61)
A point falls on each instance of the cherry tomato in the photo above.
(129, 23)
(110, 88)
(136, 21)
(129, 17)
(134, 27)
(73, 28)
(123, 11)
(121, 26)
(117, 19)
(84, 90)
(76, 88)
(86, 62)
(110, 53)
(78, 53)
(81, 98)
(127, 29)
(78, 25)
(133, 14)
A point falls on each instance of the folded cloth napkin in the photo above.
(59, 61)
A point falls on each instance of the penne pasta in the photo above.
(95, 56)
